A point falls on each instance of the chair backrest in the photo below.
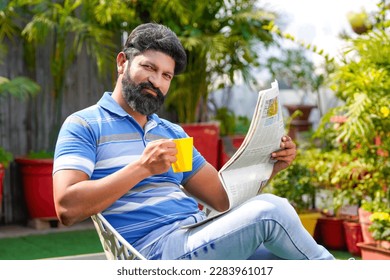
(114, 245)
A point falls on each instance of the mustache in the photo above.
(149, 85)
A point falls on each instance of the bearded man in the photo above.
(115, 158)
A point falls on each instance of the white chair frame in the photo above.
(114, 245)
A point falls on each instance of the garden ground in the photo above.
(78, 242)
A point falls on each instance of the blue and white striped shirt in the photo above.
(102, 139)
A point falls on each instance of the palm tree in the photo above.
(67, 28)
(19, 87)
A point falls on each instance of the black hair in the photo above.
(157, 37)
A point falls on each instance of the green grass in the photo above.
(343, 255)
(50, 245)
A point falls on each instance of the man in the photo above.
(115, 157)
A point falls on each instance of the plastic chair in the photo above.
(114, 245)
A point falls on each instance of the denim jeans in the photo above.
(266, 226)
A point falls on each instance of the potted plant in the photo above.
(380, 228)
(298, 186)
(356, 133)
(36, 172)
(233, 130)
(360, 22)
(348, 179)
(18, 87)
(296, 71)
(379, 203)
(329, 230)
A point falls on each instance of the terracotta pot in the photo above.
(384, 244)
(305, 109)
(38, 187)
(364, 220)
(300, 123)
(371, 251)
(353, 235)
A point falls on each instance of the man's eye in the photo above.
(168, 77)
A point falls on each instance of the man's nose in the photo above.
(155, 80)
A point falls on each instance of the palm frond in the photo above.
(19, 87)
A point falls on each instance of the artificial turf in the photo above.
(50, 245)
(70, 243)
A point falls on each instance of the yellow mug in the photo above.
(184, 148)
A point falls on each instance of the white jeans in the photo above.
(266, 220)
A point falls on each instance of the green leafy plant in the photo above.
(380, 202)
(5, 157)
(230, 123)
(18, 87)
(222, 40)
(355, 135)
(296, 184)
(21, 88)
(40, 155)
(380, 227)
(227, 121)
(242, 125)
(87, 25)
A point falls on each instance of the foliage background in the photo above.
(68, 47)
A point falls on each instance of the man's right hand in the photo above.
(158, 156)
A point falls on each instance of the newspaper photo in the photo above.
(246, 173)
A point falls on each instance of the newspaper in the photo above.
(246, 173)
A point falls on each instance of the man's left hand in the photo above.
(285, 155)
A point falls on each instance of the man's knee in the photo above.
(270, 206)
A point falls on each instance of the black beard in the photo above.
(141, 102)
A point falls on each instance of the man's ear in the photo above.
(120, 62)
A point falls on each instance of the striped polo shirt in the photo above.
(102, 139)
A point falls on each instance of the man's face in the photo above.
(146, 81)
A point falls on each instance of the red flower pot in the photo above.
(353, 235)
(38, 187)
(206, 140)
(331, 233)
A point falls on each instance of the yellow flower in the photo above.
(385, 111)
(380, 216)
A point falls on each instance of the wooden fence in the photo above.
(30, 125)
